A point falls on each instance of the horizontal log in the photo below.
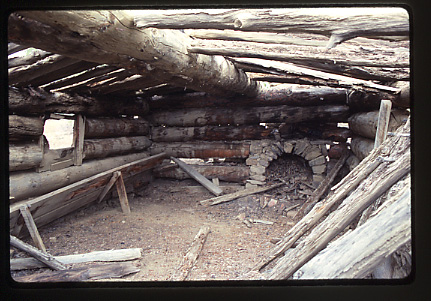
(237, 174)
(365, 124)
(279, 94)
(32, 102)
(29, 58)
(99, 148)
(110, 255)
(361, 146)
(202, 150)
(243, 115)
(115, 127)
(25, 128)
(12, 48)
(339, 23)
(29, 184)
(24, 156)
(209, 133)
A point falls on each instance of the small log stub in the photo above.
(247, 115)
(24, 156)
(206, 150)
(25, 128)
(365, 123)
(115, 127)
(209, 133)
(383, 122)
(99, 148)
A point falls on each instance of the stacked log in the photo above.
(25, 150)
(364, 127)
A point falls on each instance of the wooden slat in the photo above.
(198, 177)
(79, 132)
(31, 226)
(121, 189)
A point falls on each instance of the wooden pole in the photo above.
(192, 255)
(383, 122)
(41, 256)
(32, 229)
(108, 186)
(198, 177)
(78, 138)
(122, 194)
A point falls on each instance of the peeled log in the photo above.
(365, 124)
(118, 127)
(224, 173)
(249, 115)
(24, 128)
(24, 156)
(99, 148)
(32, 102)
(202, 150)
(209, 133)
(29, 184)
(361, 146)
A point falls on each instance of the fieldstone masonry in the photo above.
(263, 152)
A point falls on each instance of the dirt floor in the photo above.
(166, 216)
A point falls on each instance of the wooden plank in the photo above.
(358, 253)
(94, 272)
(55, 204)
(235, 195)
(32, 229)
(111, 255)
(198, 177)
(108, 186)
(41, 256)
(78, 139)
(383, 122)
(191, 255)
(122, 194)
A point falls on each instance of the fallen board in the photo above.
(51, 206)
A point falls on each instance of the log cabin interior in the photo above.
(302, 111)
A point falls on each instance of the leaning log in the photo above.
(209, 133)
(365, 124)
(202, 150)
(279, 94)
(358, 253)
(165, 50)
(25, 156)
(25, 128)
(340, 24)
(246, 115)
(37, 102)
(224, 173)
(115, 127)
(99, 148)
(361, 146)
(28, 184)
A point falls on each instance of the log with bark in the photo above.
(99, 148)
(233, 149)
(361, 146)
(340, 24)
(25, 156)
(247, 115)
(165, 50)
(92, 272)
(115, 127)
(224, 173)
(38, 102)
(28, 184)
(209, 133)
(365, 123)
(25, 128)
(358, 253)
(278, 94)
